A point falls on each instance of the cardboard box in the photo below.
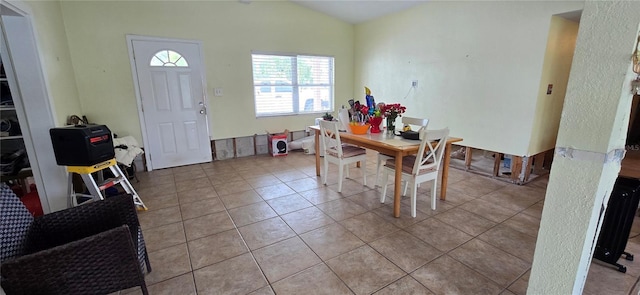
(277, 143)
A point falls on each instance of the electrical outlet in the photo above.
(217, 92)
(414, 83)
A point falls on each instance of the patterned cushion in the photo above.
(347, 151)
(15, 221)
(407, 165)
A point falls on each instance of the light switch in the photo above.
(217, 92)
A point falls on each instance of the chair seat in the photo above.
(348, 151)
(407, 165)
(96, 248)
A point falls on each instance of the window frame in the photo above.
(295, 84)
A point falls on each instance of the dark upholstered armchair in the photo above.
(95, 248)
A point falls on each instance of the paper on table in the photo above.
(343, 117)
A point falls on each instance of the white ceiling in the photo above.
(357, 11)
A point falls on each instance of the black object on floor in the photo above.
(617, 222)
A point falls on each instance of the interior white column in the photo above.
(592, 134)
(34, 101)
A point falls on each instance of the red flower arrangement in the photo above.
(393, 110)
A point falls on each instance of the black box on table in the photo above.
(82, 145)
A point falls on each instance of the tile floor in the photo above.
(263, 225)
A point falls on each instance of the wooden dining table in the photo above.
(393, 145)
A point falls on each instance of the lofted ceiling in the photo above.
(357, 11)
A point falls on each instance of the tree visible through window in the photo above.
(292, 84)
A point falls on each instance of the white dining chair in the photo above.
(422, 167)
(382, 158)
(340, 154)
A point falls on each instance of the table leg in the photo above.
(317, 146)
(497, 157)
(397, 186)
(445, 171)
(467, 158)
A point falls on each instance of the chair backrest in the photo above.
(15, 222)
(416, 122)
(431, 150)
(330, 137)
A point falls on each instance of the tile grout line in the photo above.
(336, 221)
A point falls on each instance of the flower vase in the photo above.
(391, 124)
(375, 124)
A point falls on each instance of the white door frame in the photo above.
(35, 114)
(136, 86)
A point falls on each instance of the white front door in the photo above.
(170, 81)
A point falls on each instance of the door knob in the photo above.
(203, 110)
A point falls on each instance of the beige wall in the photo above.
(561, 44)
(449, 47)
(229, 30)
(56, 61)
(478, 66)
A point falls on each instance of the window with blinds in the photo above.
(288, 84)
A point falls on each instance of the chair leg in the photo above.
(378, 166)
(414, 192)
(346, 167)
(406, 185)
(143, 247)
(363, 166)
(434, 188)
(341, 176)
(146, 261)
(325, 170)
(385, 177)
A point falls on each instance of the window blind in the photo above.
(292, 84)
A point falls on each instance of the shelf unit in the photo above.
(12, 139)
